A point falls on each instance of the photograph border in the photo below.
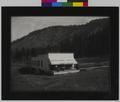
(8, 12)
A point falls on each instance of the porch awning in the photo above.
(61, 58)
(54, 62)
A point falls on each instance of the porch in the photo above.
(63, 69)
(66, 71)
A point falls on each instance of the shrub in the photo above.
(45, 72)
(31, 70)
(27, 70)
(49, 72)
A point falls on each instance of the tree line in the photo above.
(91, 45)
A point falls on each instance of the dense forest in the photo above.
(88, 40)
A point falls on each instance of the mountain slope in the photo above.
(76, 36)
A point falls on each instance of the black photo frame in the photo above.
(8, 12)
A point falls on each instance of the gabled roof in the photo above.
(61, 58)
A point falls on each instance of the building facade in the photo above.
(56, 62)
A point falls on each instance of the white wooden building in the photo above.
(59, 63)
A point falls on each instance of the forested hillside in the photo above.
(88, 40)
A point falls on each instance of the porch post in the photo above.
(73, 66)
(56, 67)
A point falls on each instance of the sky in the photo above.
(22, 26)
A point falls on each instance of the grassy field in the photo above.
(89, 80)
